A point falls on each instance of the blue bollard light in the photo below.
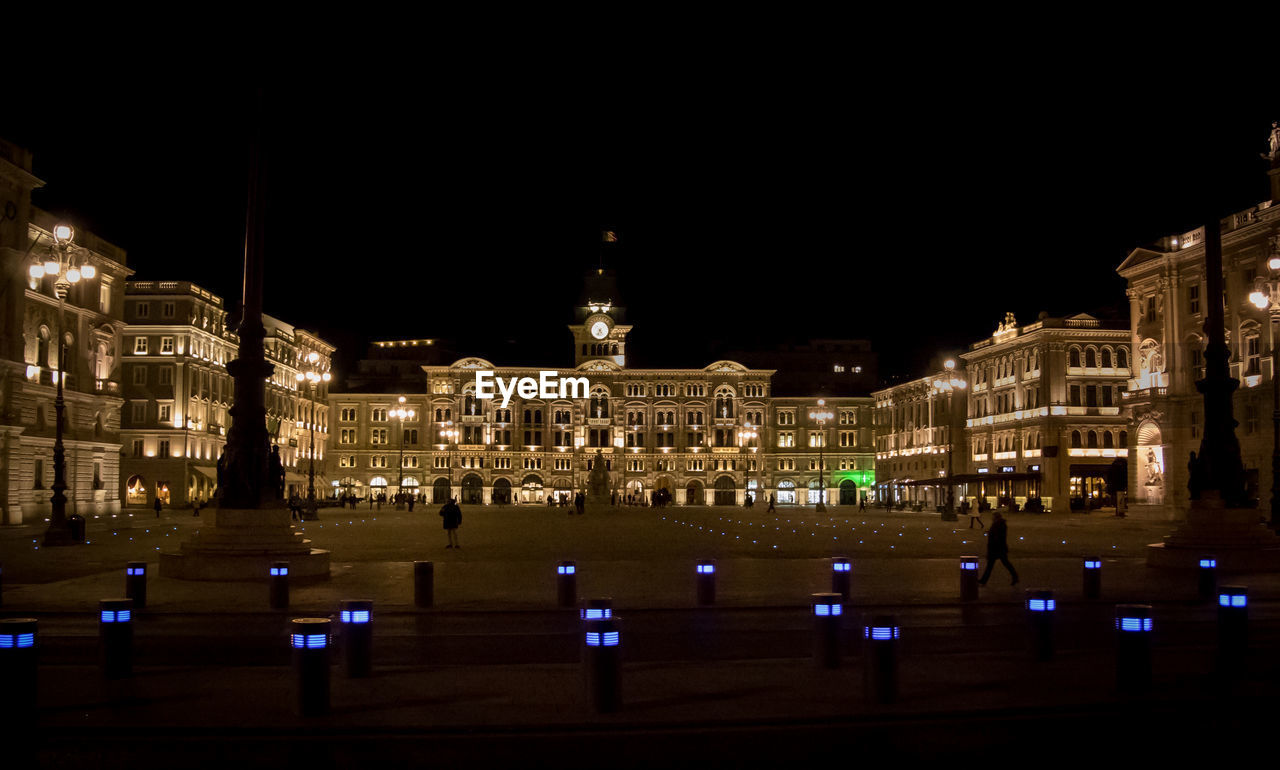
(1133, 647)
(597, 609)
(279, 594)
(881, 670)
(567, 584)
(135, 583)
(310, 642)
(827, 609)
(1041, 608)
(706, 577)
(602, 663)
(115, 637)
(841, 571)
(1092, 574)
(1233, 629)
(18, 670)
(357, 637)
(968, 578)
(1208, 578)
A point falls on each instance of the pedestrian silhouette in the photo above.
(998, 548)
(452, 516)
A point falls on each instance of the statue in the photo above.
(598, 483)
(1154, 476)
(1273, 143)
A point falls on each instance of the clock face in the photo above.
(599, 330)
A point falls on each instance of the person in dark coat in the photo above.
(158, 506)
(452, 516)
(998, 548)
(580, 503)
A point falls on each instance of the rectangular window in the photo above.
(137, 447)
(165, 413)
(1151, 307)
(165, 373)
(1252, 365)
(378, 415)
(1193, 298)
(1075, 395)
(39, 474)
(140, 346)
(164, 447)
(166, 310)
(139, 375)
(142, 309)
(1107, 398)
(166, 346)
(348, 436)
(104, 296)
(378, 436)
(1091, 395)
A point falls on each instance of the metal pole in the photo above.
(1275, 421)
(311, 472)
(59, 530)
(400, 483)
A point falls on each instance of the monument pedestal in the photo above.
(238, 544)
(1235, 536)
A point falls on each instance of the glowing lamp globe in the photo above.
(88, 271)
(63, 234)
(1259, 300)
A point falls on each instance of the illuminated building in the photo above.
(686, 431)
(1166, 289)
(29, 357)
(1045, 414)
(178, 394)
(914, 425)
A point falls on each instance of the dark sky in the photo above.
(750, 209)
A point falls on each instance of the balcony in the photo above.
(106, 386)
(472, 419)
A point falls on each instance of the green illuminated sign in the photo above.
(863, 479)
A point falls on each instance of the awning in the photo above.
(208, 473)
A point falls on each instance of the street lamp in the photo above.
(450, 435)
(821, 415)
(312, 377)
(65, 268)
(948, 384)
(402, 414)
(1266, 296)
(746, 437)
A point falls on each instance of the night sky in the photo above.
(750, 210)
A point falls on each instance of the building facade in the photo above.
(178, 394)
(1168, 303)
(709, 436)
(1046, 418)
(91, 330)
(915, 425)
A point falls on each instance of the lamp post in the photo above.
(402, 414)
(450, 435)
(821, 414)
(746, 437)
(61, 265)
(948, 384)
(1266, 296)
(312, 377)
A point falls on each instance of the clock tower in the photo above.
(599, 333)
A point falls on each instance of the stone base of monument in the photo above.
(235, 544)
(1236, 537)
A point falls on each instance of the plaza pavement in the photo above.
(489, 673)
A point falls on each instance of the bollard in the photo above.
(18, 670)
(424, 583)
(1233, 628)
(841, 569)
(706, 581)
(115, 637)
(135, 583)
(881, 668)
(597, 609)
(1133, 647)
(1040, 610)
(1208, 580)
(357, 637)
(310, 642)
(1092, 577)
(968, 578)
(279, 585)
(827, 611)
(567, 584)
(602, 663)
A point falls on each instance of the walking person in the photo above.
(452, 516)
(976, 515)
(771, 508)
(998, 548)
(158, 506)
(862, 505)
(580, 502)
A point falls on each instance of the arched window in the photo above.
(469, 404)
(1091, 358)
(1122, 358)
(1124, 438)
(1073, 357)
(1093, 439)
(1075, 439)
(1107, 440)
(615, 350)
(439, 415)
(1106, 358)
